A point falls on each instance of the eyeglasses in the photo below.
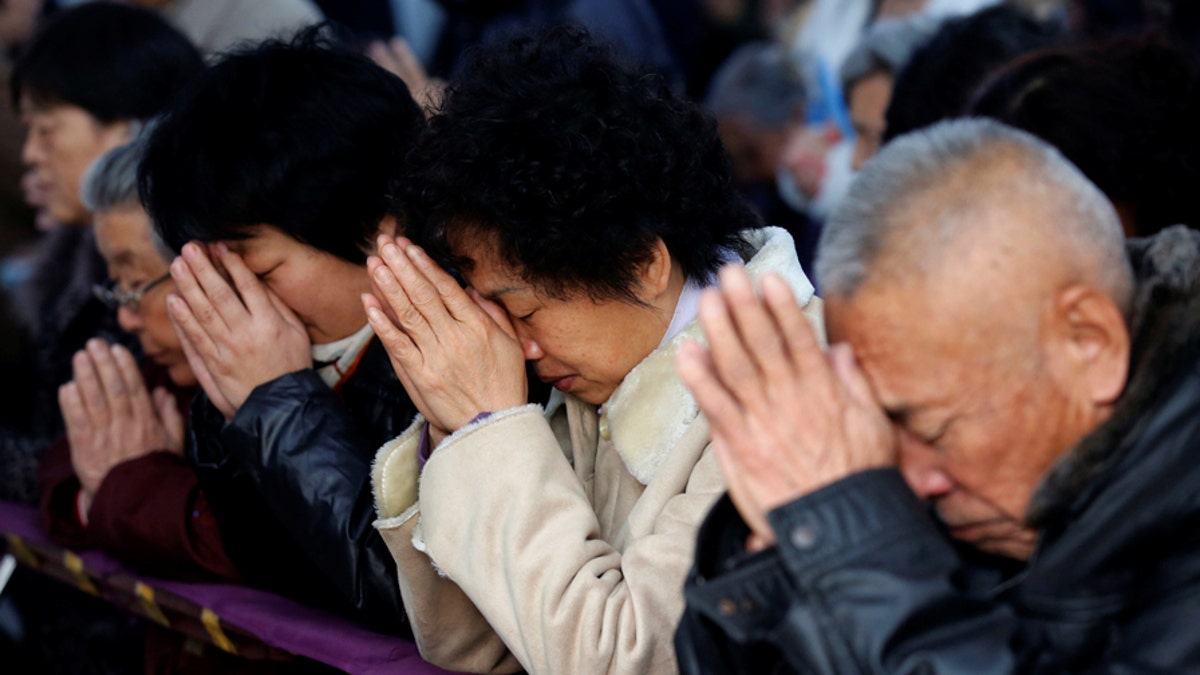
(115, 298)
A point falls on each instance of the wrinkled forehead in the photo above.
(903, 342)
(124, 239)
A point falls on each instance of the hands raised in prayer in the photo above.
(236, 332)
(787, 417)
(111, 417)
(457, 354)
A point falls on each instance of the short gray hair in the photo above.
(111, 180)
(760, 81)
(110, 183)
(928, 175)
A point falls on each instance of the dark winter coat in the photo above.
(289, 480)
(61, 313)
(863, 581)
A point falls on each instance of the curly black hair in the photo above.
(305, 136)
(575, 164)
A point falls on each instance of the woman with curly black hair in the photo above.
(585, 207)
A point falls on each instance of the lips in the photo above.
(560, 382)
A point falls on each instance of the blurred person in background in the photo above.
(817, 165)
(18, 235)
(946, 72)
(1124, 112)
(215, 26)
(85, 80)
(84, 83)
(869, 73)
(634, 27)
(758, 98)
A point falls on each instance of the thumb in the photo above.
(851, 376)
(494, 312)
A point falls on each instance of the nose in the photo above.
(921, 466)
(529, 346)
(129, 320)
(31, 151)
(533, 351)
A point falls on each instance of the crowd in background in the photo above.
(169, 174)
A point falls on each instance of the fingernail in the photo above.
(414, 252)
(374, 315)
(390, 251)
(381, 274)
(178, 267)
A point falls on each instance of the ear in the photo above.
(1094, 341)
(656, 273)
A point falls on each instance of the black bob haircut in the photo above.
(305, 136)
(573, 165)
(114, 61)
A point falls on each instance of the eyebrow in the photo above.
(123, 258)
(495, 295)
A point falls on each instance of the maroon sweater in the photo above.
(149, 511)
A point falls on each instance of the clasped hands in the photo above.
(787, 417)
(110, 417)
(235, 331)
(456, 353)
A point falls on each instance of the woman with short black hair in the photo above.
(585, 206)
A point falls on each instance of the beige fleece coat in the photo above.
(559, 541)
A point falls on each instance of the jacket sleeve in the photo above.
(150, 512)
(58, 490)
(861, 581)
(505, 518)
(311, 466)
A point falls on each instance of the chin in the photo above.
(182, 377)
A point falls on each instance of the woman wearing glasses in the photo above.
(117, 480)
(82, 85)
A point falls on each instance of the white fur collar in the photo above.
(651, 409)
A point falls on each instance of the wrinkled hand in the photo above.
(235, 337)
(456, 353)
(787, 418)
(397, 57)
(110, 417)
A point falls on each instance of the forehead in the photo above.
(485, 269)
(35, 107)
(123, 238)
(910, 350)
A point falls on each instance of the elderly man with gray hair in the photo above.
(993, 467)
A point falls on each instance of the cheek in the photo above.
(296, 297)
(156, 326)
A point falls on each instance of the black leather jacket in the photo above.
(289, 481)
(864, 581)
